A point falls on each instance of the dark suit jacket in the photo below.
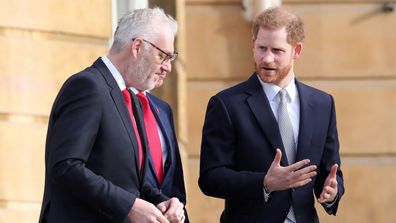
(240, 137)
(91, 156)
(173, 183)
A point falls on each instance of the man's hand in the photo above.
(330, 188)
(282, 178)
(172, 210)
(145, 212)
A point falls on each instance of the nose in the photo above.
(267, 57)
(166, 66)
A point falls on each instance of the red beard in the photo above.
(270, 74)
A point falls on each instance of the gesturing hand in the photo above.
(330, 188)
(282, 178)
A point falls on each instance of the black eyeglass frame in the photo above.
(168, 56)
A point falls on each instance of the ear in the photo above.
(297, 50)
(253, 42)
(136, 46)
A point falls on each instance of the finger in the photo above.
(333, 183)
(333, 172)
(278, 157)
(305, 173)
(180, 213)
(179, 217)
(301, 177)
(327, 193)
(162, 219)
(161, 207)
(175, 208)
(183, 218)
(305, 170)
(171, 214)
(298, 165)
(300, 183)
(323, 196)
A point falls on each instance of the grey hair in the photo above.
(144, 23)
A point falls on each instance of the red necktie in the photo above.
(152, 136)
(128, 101)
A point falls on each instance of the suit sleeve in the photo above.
(76, 118)
(330, 157)
(218, 176)
(178, 189)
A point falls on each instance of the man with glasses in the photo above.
(164, 57)
(164, 163)
(97, 149)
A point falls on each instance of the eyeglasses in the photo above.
(165, 57)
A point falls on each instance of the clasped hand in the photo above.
(170, 211)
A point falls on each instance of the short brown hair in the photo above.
(277, 18)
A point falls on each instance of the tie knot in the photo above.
(127, 96)
(283, 95)
(142, 97)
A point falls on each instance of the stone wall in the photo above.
(42, 42)
(349, 51)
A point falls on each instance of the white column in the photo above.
(254, 7)
(121, 7)
(138, 4)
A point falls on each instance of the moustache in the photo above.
(267, 66)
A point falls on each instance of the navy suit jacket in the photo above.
(173, 182)
(239, 141)
(91, 156)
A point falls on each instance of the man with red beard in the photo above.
(270, 143)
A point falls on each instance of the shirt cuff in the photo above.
(266, 195)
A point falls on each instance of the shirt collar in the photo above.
(271, 90)
(135, 91)
(113, 70)
(117, 75)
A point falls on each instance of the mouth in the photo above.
(161, 76)
(269, 69)
(268, 66)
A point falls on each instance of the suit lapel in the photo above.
(259, 104)
(306, 123)
(120, 105)
(139, 118)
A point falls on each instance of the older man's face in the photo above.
(151, 68)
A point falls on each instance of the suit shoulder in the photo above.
(89, 77)
(316, 95)
(312, 90)
(235, 90)
(157, 99)
(86, 82)
(159, 102)
(89, 73)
